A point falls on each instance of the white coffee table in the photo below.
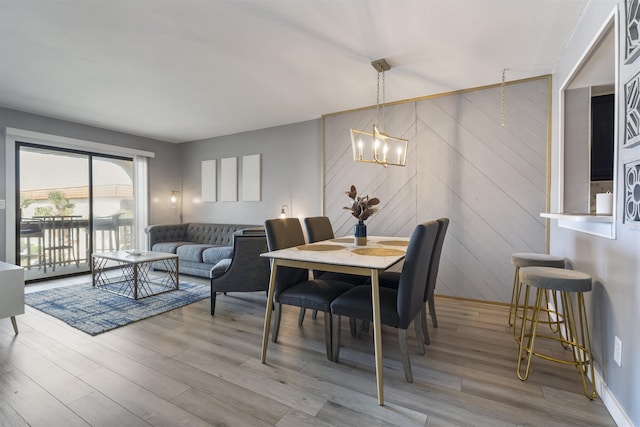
(136, 278)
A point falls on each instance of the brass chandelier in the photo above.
(377, 146)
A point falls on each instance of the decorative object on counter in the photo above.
(604, 203)
(377, 146)
(361, 208)
(632, 193)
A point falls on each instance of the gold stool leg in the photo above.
(579, 342)
(526, 350)
(515, 301)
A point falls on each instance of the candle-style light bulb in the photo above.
(376, 148)
(360, 147)
(399, 155)
(384, 152)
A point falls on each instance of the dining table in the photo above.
(341, 255)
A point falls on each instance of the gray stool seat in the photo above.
(571, 321)
(536, 260)
(522, 260)
(556, 279)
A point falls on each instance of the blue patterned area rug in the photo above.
(95, 310)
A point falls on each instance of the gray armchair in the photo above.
(245, 271)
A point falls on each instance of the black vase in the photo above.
(360, 234)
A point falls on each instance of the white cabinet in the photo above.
(11, 292)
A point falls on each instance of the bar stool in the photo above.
(524, 259)
(565, 283)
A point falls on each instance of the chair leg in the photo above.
(353, 325)
(335, 338)
(315, 314)
(365, 326)
(328, 334)
(276, 321)
(301, 316)
(420, 325)
(432, 310)
(425, 329)
(406, 364)
(213, 302)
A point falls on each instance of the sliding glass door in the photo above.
(71, 204)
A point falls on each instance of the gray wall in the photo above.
(614, 303)
(291, 174)
(163, 169)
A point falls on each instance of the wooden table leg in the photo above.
(15, 324)
(377, 333)
(267, 314)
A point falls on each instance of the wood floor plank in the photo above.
(36, 406)
(230, 394)
(98, 410)
(139, 401)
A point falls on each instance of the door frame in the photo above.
(140, 178)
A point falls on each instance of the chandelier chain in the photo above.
(378, 102)
(382, 124)
(384, 118)
(502, 112)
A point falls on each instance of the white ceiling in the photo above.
(182, 70)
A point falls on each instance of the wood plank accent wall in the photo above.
(488, 179)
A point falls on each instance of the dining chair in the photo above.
(318, 229)
(293, 286)
(391, 279)
(398, 307)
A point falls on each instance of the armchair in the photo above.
(245, 271)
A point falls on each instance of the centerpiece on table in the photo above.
(362, 208)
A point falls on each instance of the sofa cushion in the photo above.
(215, 254)
(168, 247)
(192, 252)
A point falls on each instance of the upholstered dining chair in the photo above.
(390, 279)
(318, 229)
(293, 286)
(398, 307)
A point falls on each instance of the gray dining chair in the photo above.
(318, 229)
(293, 286)
(398, 307)
(390, 279)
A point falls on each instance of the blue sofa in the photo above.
(199, 246)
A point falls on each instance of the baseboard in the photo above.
(615, 410)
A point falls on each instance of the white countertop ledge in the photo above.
(578, 217)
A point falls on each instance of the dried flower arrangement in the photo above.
(361, 207)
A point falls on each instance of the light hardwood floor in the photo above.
(188, 368)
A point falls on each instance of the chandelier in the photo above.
(377, 146)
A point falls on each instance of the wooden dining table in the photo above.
(343, 256)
